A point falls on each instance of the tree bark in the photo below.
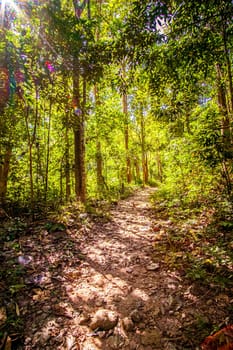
(143, 149)
(228, 63)
(222, 103)
(137, 170)
(4, 171)
(31, 142)
(159, 166)
(126, 135)
(79, 135)
(99, 158)
(48, 150)
(67, 159)
(225, 127)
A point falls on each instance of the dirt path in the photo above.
(102, 286)
(108, 270)
(121, 276)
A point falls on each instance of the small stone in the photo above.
(25, 260)
(104, 320)
(60, 320)
(136, 316)
(102, 334)
(153, 267)
(27, 340)
(128, 324)
(129, 270)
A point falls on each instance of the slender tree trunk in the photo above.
(143, 148)
(146, 170)
(225, 127)
(31, 176)
(222, 103)
(137, 169)
(228, 63)
(39, 173)
(48, 150)
(31, 142)
(89, 9)
(83, 144)
(99, 159)
(61, 180)
(126, 135)
(159, 166)
(4, 171)
(79, 128)
(79, 137)
(99, 167)
(67, 159)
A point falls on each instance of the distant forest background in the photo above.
(97, 97)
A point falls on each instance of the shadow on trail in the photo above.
(71, 275)
(115, 274)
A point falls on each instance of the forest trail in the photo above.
(103, 285)
(101, 289)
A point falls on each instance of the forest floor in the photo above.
(116, 282)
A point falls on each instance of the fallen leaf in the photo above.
(17, 309)
(8, 344)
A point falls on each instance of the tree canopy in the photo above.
(98, 96)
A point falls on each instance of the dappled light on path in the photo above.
(119, 274)
(105, 284)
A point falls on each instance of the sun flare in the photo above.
(4, 6)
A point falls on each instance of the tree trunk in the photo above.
(31, 177)
(31, 142)
(48, 150)
(99, 159)
(67, 159)
(126, 135)
(99, 167)
(222, 103)
(79, 136)
(143, 148)
(225, 127)
(228, 63)
(137, 170)
(159, 166)
(4, 170)
(61, 181)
